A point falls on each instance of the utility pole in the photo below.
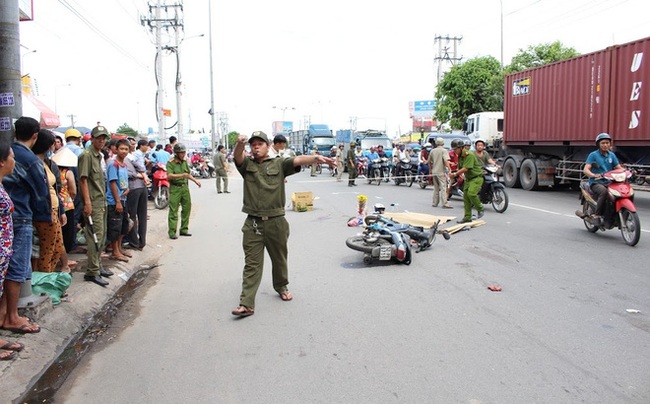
(223, 128)
(156, 24)
(211, 112)
(450, 44)
(71, 116)
(11, 105)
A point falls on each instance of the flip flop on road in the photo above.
(24, 329)
(12, 346)
(285, 295)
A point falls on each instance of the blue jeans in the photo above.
(20, 265)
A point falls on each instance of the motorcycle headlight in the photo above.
(618, 177)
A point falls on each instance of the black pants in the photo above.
(136, 202)
(600, 192)
(70, 231)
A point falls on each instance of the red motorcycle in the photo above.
(160, 186)
(619, 209)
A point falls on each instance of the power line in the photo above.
(101, 34)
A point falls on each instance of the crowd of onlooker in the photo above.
(58, 193)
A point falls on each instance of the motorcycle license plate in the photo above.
(385, 252)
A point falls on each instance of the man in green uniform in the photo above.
(92, 184)
(265, 226)
(351, 161)
(221, 167)
(178, 173)
(471, 167)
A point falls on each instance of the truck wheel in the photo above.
(511, 174)
(528, 175)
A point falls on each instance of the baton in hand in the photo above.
(89, 222)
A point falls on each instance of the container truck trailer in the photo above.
(553, 113)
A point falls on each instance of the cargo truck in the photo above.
(318, 135)
(553, 113)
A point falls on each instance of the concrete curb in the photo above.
(70, 328)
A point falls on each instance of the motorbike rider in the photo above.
(483, 156)
(423, 168)
(380, 151)
(471, 166)
(598, 163)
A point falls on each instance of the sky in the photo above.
(292, 60)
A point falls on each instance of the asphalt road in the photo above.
(558, 332)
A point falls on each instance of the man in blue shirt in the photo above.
(28, 189)
(598, 163)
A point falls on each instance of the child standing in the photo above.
(117, 181)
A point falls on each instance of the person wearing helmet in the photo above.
(265, 227)
(471, 167)
(483, 156)
(438, 167)
(598, 163)
(178, 173)
(73, 139)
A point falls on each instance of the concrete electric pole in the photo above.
(11, 105)
(157, 23)
(443, 52)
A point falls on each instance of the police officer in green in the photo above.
(471, 167)
(351, 161)
(178, 173)
(265, 225)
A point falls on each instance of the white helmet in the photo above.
(427, 144)
(379, 207)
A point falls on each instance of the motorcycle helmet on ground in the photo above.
(379, 208)
(179, 148)
(602, 136)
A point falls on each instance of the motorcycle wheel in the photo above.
(630, 227)
(410, 179)
(499, 200)
(213, 174)
(377, 176)
(358, 244)
(587, 211)
(161, 198)
(423, 183)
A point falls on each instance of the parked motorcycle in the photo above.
(619, 209)
(385, 239)
(374, 171)
(403, 173)
(160, 186)
(207, 170)
(492, 190)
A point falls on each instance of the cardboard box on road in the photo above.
(302, 201)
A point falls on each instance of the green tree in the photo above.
(125, 129)
(539, 55)
(232, 139)
(476, 85)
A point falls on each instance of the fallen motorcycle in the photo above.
(385, 239)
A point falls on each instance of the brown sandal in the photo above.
(243, 311)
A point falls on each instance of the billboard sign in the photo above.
(422, 109)
(282, 127)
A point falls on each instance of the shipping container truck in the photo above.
(553, 113)
(318, 135)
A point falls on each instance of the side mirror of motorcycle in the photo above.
(446, 235)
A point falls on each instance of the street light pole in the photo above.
(212, 123)
(501, 4)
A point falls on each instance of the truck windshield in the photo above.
(374, 141)
(324, 141)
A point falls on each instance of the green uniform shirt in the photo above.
(264, 185)
(90, 166)
(351, 156)
(220, 160)
(174, 167)
(473, 166)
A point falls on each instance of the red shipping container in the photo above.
(571, 101)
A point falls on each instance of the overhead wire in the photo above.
(101, 34)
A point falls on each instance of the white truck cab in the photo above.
(487, 126)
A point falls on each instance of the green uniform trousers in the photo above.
(222, 175)
(470, 196)
(98, 216)
(179, 195)
(271, 234)
(352, 173)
